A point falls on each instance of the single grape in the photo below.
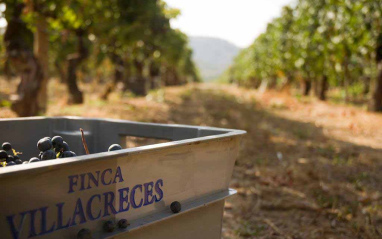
(7, 146)
(10, 158)
(68, 154)
(3, 154)
(11, 163)
(34, 159)
(18, 161)
(66, 146)
(114, 147)
(47, 155)
(44, 144)
(58, 143)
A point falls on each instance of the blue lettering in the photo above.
(43, 222)
(72, 182)
(109, 199)
(32, 229)
(60, 217)
(82, 181)
(118, 174)
(146, 196)
(123, 199)
(93, 179)
(158, 190)
(16, 231)
(148, 193)
(89, 208)
(103, 176)
(79, 211)
(132, 196)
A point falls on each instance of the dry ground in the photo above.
(306, 169)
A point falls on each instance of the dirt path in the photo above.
(306, 169)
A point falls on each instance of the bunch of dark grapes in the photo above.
(9, 156)
(52, 148)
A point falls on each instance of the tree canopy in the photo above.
(127, 41)
(324, 43)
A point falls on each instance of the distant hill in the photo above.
(212, 55)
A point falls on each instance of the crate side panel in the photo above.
(203, 223)
(157, 178)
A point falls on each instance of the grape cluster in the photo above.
(52, 148)
(9, 156)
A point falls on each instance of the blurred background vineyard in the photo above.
(314, 47)
(126, 44)
(318, 45)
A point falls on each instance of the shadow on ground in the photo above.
(292, 180)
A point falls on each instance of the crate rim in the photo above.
(53, 164)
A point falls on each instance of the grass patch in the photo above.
(247, 229)
(301, 133)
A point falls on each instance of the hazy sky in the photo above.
(238, 21)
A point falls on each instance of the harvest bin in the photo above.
(58, 198)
